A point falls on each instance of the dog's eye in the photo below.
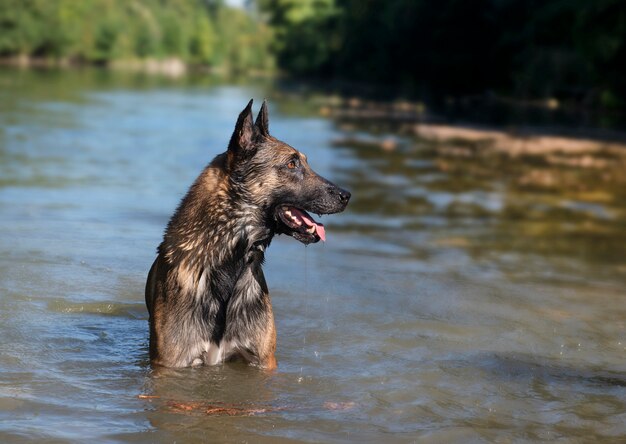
(293, 164)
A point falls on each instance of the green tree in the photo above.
(305, 33)
(202, 41)
(198, 31)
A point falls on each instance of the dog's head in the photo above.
(277, 179)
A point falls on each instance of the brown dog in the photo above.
(206, 294)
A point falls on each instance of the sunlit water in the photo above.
(453, 301)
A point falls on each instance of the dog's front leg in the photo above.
(250, 325)
(251, 334)
(266, 343)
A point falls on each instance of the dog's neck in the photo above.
(232, 235)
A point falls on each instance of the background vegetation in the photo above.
(99, 31)
(570, 49)
(573, 49)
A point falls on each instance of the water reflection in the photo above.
(565, 210)
(467, 294)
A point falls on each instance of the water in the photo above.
(456, 300)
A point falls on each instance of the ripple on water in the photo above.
(470, 298)
(120, 309)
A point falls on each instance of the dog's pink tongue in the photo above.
(319, 228)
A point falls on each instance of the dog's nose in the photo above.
(344, 196)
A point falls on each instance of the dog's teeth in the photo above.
(297, 221)
(288, 213)
(311, 230)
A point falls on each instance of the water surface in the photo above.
(458, 299)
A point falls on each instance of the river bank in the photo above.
(170, 66)
(515, 138)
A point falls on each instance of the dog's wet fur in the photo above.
(206, 294)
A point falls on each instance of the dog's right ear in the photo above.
(262, 120)
(242, 143)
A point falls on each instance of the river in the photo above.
(457, 299)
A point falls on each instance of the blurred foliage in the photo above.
(564, 49)
(306, 35)
(98, 31)
(573, 49)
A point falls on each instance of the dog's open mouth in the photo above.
(299, 224)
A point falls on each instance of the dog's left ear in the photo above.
(262, 120)
(242, 143)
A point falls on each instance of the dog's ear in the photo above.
(262, 120)
(242, 143)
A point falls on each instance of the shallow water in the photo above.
(458, 299)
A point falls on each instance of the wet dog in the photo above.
(206, 294)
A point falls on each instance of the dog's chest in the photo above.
(212, 353)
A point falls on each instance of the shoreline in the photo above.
(173, 67)
(415, 119)
(412, 117)
(519, 143)
(170, 66)
(465, 141)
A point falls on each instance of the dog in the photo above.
(207, 298)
